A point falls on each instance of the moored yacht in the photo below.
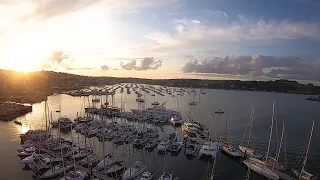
(209, 148)
(192, 150)
(260, 168)
(152, 143)
(147, 176)
(175, 147)
(231, 151)
(189, 127)
(134, 171)
(166, 176)
(76, 175)
(219, 111)
(155, 103)
(105, 163)
(27, 152)
(31, 159)
(164, 145)
(176, 120)
(56, 171)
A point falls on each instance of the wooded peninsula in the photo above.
(34, 87)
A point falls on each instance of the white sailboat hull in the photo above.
(261, 169)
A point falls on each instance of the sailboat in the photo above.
(247, 150)
(256, 165)
(134, 171)
(273, 162)
(165, 175)
(155, 103)
(227, 148)
(303, 174)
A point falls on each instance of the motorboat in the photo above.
(81, 119)
(105, 163)
(166, 176)
(115, 168)
(173, 137)
(27, 152)
(199, 126)
(31, 159)
(147, 176)
(76, 175)
(65, 128)
(91, 131)
(164, 145)
(219, 111)
(96, 100)
(140, 142)
(192, 103)
(176, 120)
(56, 171)
(72, 151)
(90, 160)
(175, 147)
(81, 154)
(61, 121)
(231, 151)
(140, 100)
(191, 150)
(209, 148)
(62, 146)
(134, 171)
(155, 103)
(152, 143)
(17, 122)
(189, 127)
(250, 152)
(27, 144)
(260, 169)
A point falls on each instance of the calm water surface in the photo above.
(292, 110)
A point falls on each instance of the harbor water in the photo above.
(293, 110)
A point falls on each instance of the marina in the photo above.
(122, 137)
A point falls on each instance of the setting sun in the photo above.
(23, 53)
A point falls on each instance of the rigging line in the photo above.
(297, 161)
(245, 132)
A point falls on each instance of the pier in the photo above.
(9, 111)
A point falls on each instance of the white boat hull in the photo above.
(261, 169)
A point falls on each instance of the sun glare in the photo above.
(24, 52)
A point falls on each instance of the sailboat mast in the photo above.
(306, 157)
(270, 136)
(278, 154)
(225, 132)
(45, 114)
(252, 117)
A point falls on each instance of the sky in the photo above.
(210, 39)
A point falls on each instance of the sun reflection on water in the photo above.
(24, 128)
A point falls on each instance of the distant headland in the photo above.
(36, 86)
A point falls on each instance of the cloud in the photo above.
(129, 66)
(290, 67)
(105, 67)
(58, 60)
(145, 64)
(198, 32)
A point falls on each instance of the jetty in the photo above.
(9, 111)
